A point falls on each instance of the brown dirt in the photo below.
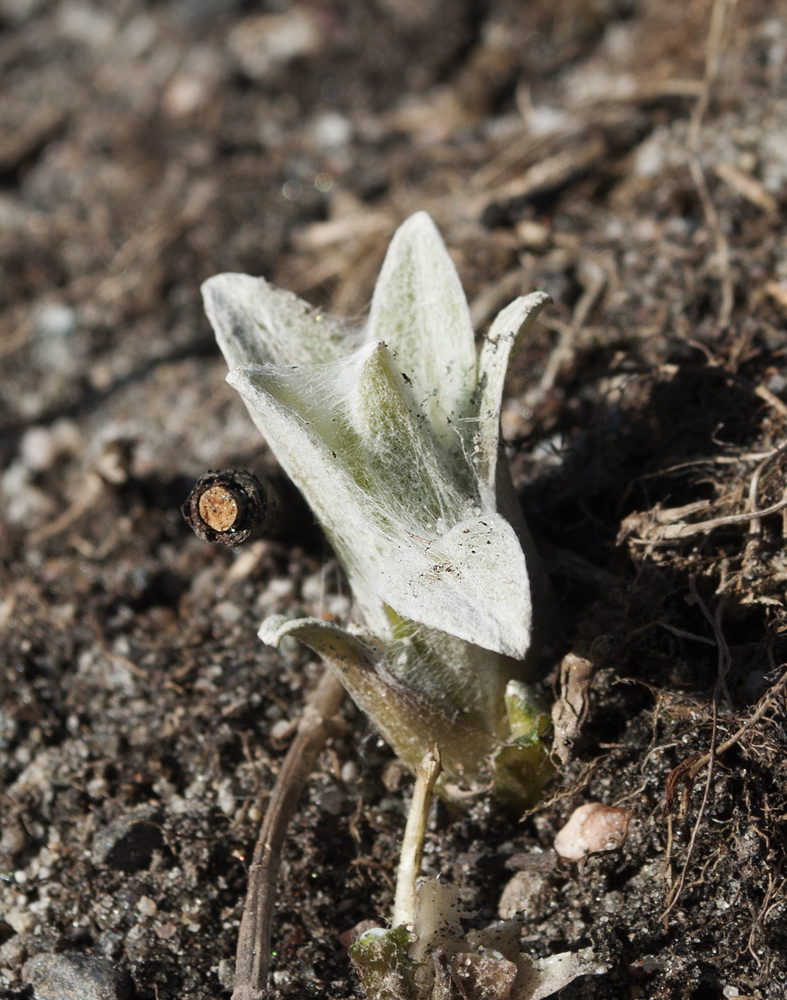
(147, 146)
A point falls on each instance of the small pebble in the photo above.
(282, 730)
(56, 320)
(591, 828)
(349, 772)
(20, 919)
(15, 950)
(521, 895)
(38, 449)
(184, 95)
(128, 843)
(331, 130)
(533, 235)
(146, 906)
(228, 611)
(13, 840)
(226, 973)
(226, 796)
(86, 23)
(77, 977)
(262, 44)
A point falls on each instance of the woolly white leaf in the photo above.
(362, 470)
(501, 342)
(256, 323)
(420, 311)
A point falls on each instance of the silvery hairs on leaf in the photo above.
(393, 438)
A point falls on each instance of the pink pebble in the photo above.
(590, 828)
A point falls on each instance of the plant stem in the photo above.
(413, 842)
(252, 961)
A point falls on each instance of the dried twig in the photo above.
(771, 399)
(773, 892)
(721, 10)
(252, 961)
(492, 299)
(594, 113)
(571, 708)
(650, 534)
(691, 767)
(594, 279)
(724, 662)
(755, 526)
(92, 490)
(551, 173)
(747, 186)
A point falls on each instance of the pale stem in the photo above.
(426, 775)
(252, 962)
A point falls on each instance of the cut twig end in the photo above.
(232, 507)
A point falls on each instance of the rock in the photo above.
(195, 84)
(13, 840)
(20, 919)
(24, 504)
(15, 950)
(53, 339)
(263, 44)
(330, 130)
(37, 449)
(76, 977)
(88, 24)
(128, 843)
(146, 906)
(521, 895)
(41, 447)
(226, 973)
(591, 828)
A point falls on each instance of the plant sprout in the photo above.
(393, 438)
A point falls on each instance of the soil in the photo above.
(629, 157)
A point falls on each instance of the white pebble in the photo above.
(228, 612)
(226, 797)
(349, 772)
(21, 919)
(56, 320)
(38, 449)
(146, 906)
(263, 43)
(184, 95)
(331, 130)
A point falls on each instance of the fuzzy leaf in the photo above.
(419, 310)
(256, 323)
(383, 497)
(505, 335)
(407, 721)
